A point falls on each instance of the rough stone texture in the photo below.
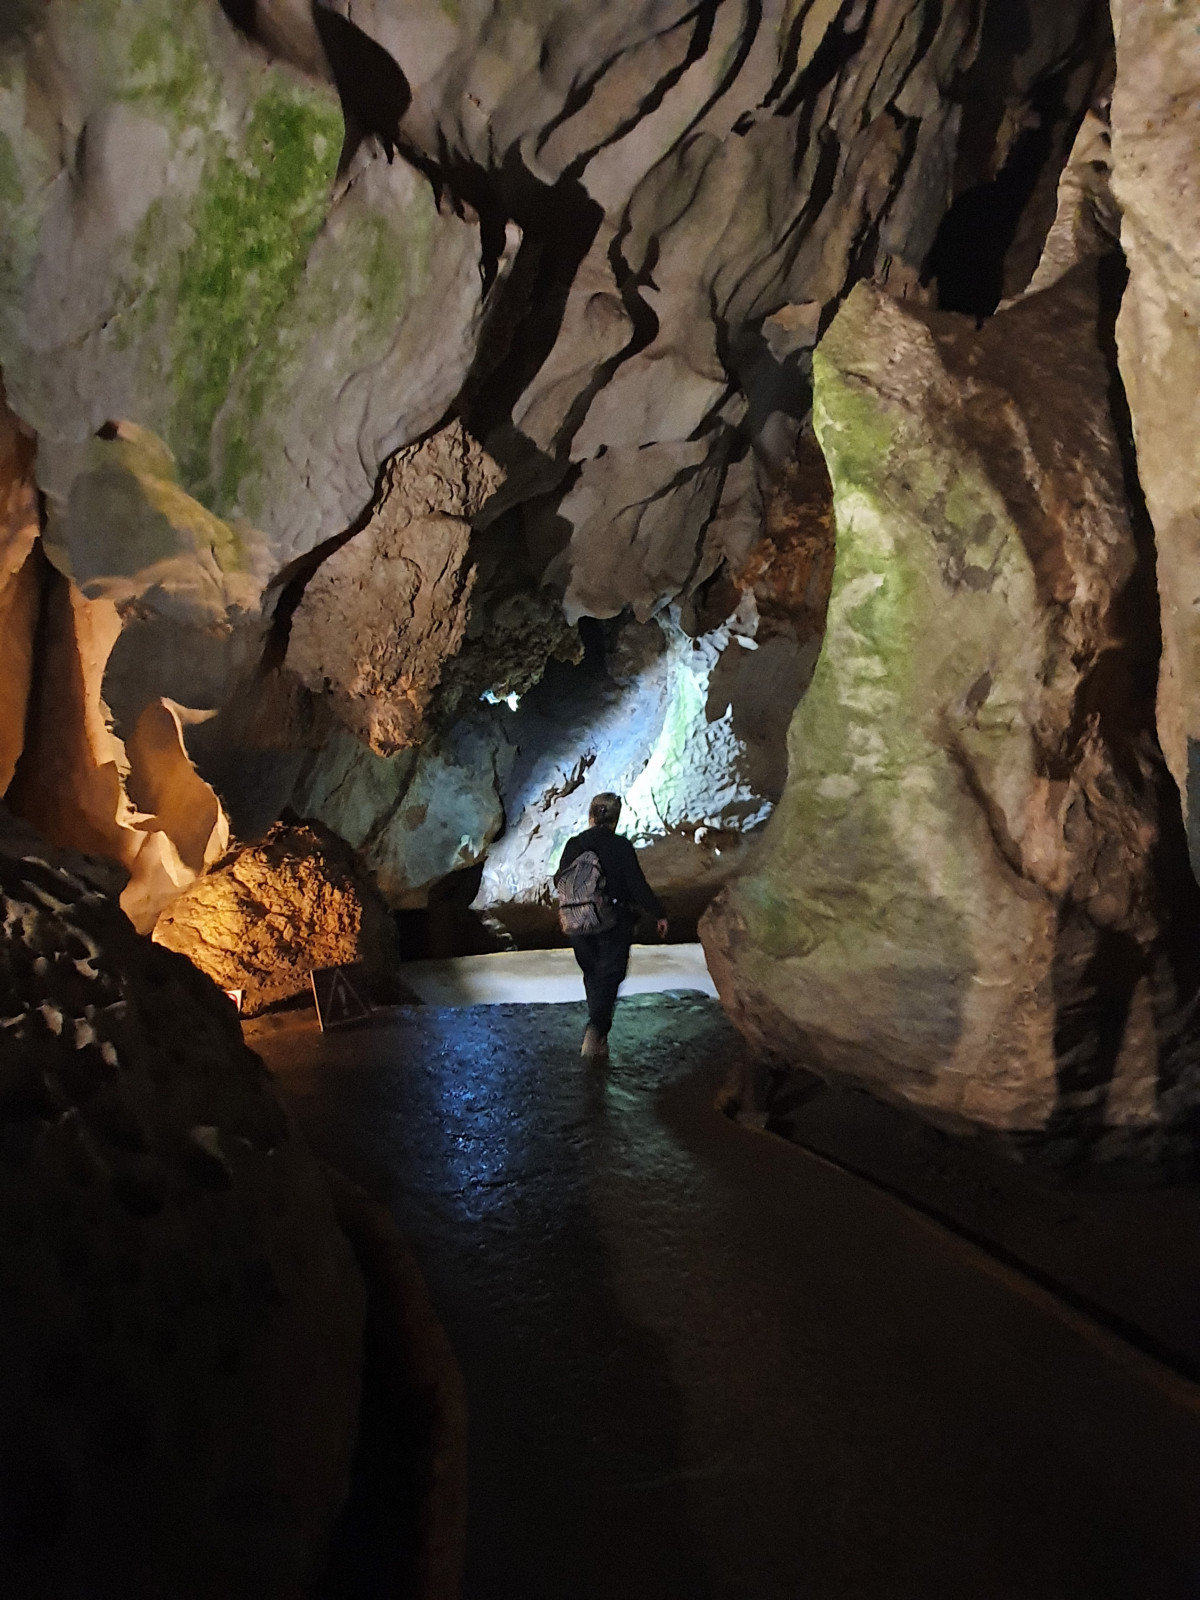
(687, 729)
(416, 817)
(176, 254)
(70, 780)
(972, 895)
(383, 613)
(263, 920)
(182, 1320)
(1087, 222)
(1156, 179)
(616, 211)
(19, 585)
(121, 527)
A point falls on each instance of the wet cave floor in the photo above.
(701, 1363)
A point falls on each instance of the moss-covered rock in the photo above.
(962, 898)
(175, 254)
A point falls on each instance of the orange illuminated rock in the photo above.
(268, 916)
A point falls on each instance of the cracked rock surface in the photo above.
(264, 919)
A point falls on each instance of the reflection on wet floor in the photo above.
(700, 1365)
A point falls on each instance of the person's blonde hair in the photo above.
(604, 810)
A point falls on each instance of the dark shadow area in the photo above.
(373, 90)
(447, 926)
(1096, 971)
(374, 1553)
(996, 219)
(242, 13)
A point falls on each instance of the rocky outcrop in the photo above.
(182, 1319)
(263, 920)
(78, 783)
(384, 613)
(176, 254)
(607, 246)
(971, 896)
(20, 586)
(1156, 179)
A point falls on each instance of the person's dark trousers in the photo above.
(604, 958)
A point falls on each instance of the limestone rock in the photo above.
(19, 585)
(181, 580)
(686, 729)
(176, 253)
(971, 896)
(187, 250)
(70, 780)
(263, 920)
(1156, 179)
(182, 1320)
(615, 287)
(385, 611)
(416, 817)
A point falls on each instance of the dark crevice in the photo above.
(373, 90)
(560, 223)
(580, 95)
(834, 53)
(242, 13)
(972, 255)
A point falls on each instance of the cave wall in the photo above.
(256, 256)
(974, 895)
(370, 348)
(1156, 179)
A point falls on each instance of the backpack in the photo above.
(584, 905)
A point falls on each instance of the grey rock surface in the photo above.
(973, 895)
(1156, 180)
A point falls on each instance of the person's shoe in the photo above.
(594, 1044)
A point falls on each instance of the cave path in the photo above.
(700, 1365)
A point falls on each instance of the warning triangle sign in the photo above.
(338, 1000)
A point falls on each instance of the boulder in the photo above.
(971, 896)
(264, 918)
(182, 1320)
(1156, 180)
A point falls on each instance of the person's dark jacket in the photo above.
(624, 879)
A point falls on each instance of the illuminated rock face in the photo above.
(616, 291)
(182, 1327)
(973, 896)
(1156, 178)
(264, 920)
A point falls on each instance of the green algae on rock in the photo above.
(968, 835)
(176, 252)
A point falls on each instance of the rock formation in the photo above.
(371, 349)
(971, 896)
(1156, 179)
(262, 921)
(383, 614)
(182, 1319)
(20, 588)
(606, 244)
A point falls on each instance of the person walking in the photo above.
(598, 905)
